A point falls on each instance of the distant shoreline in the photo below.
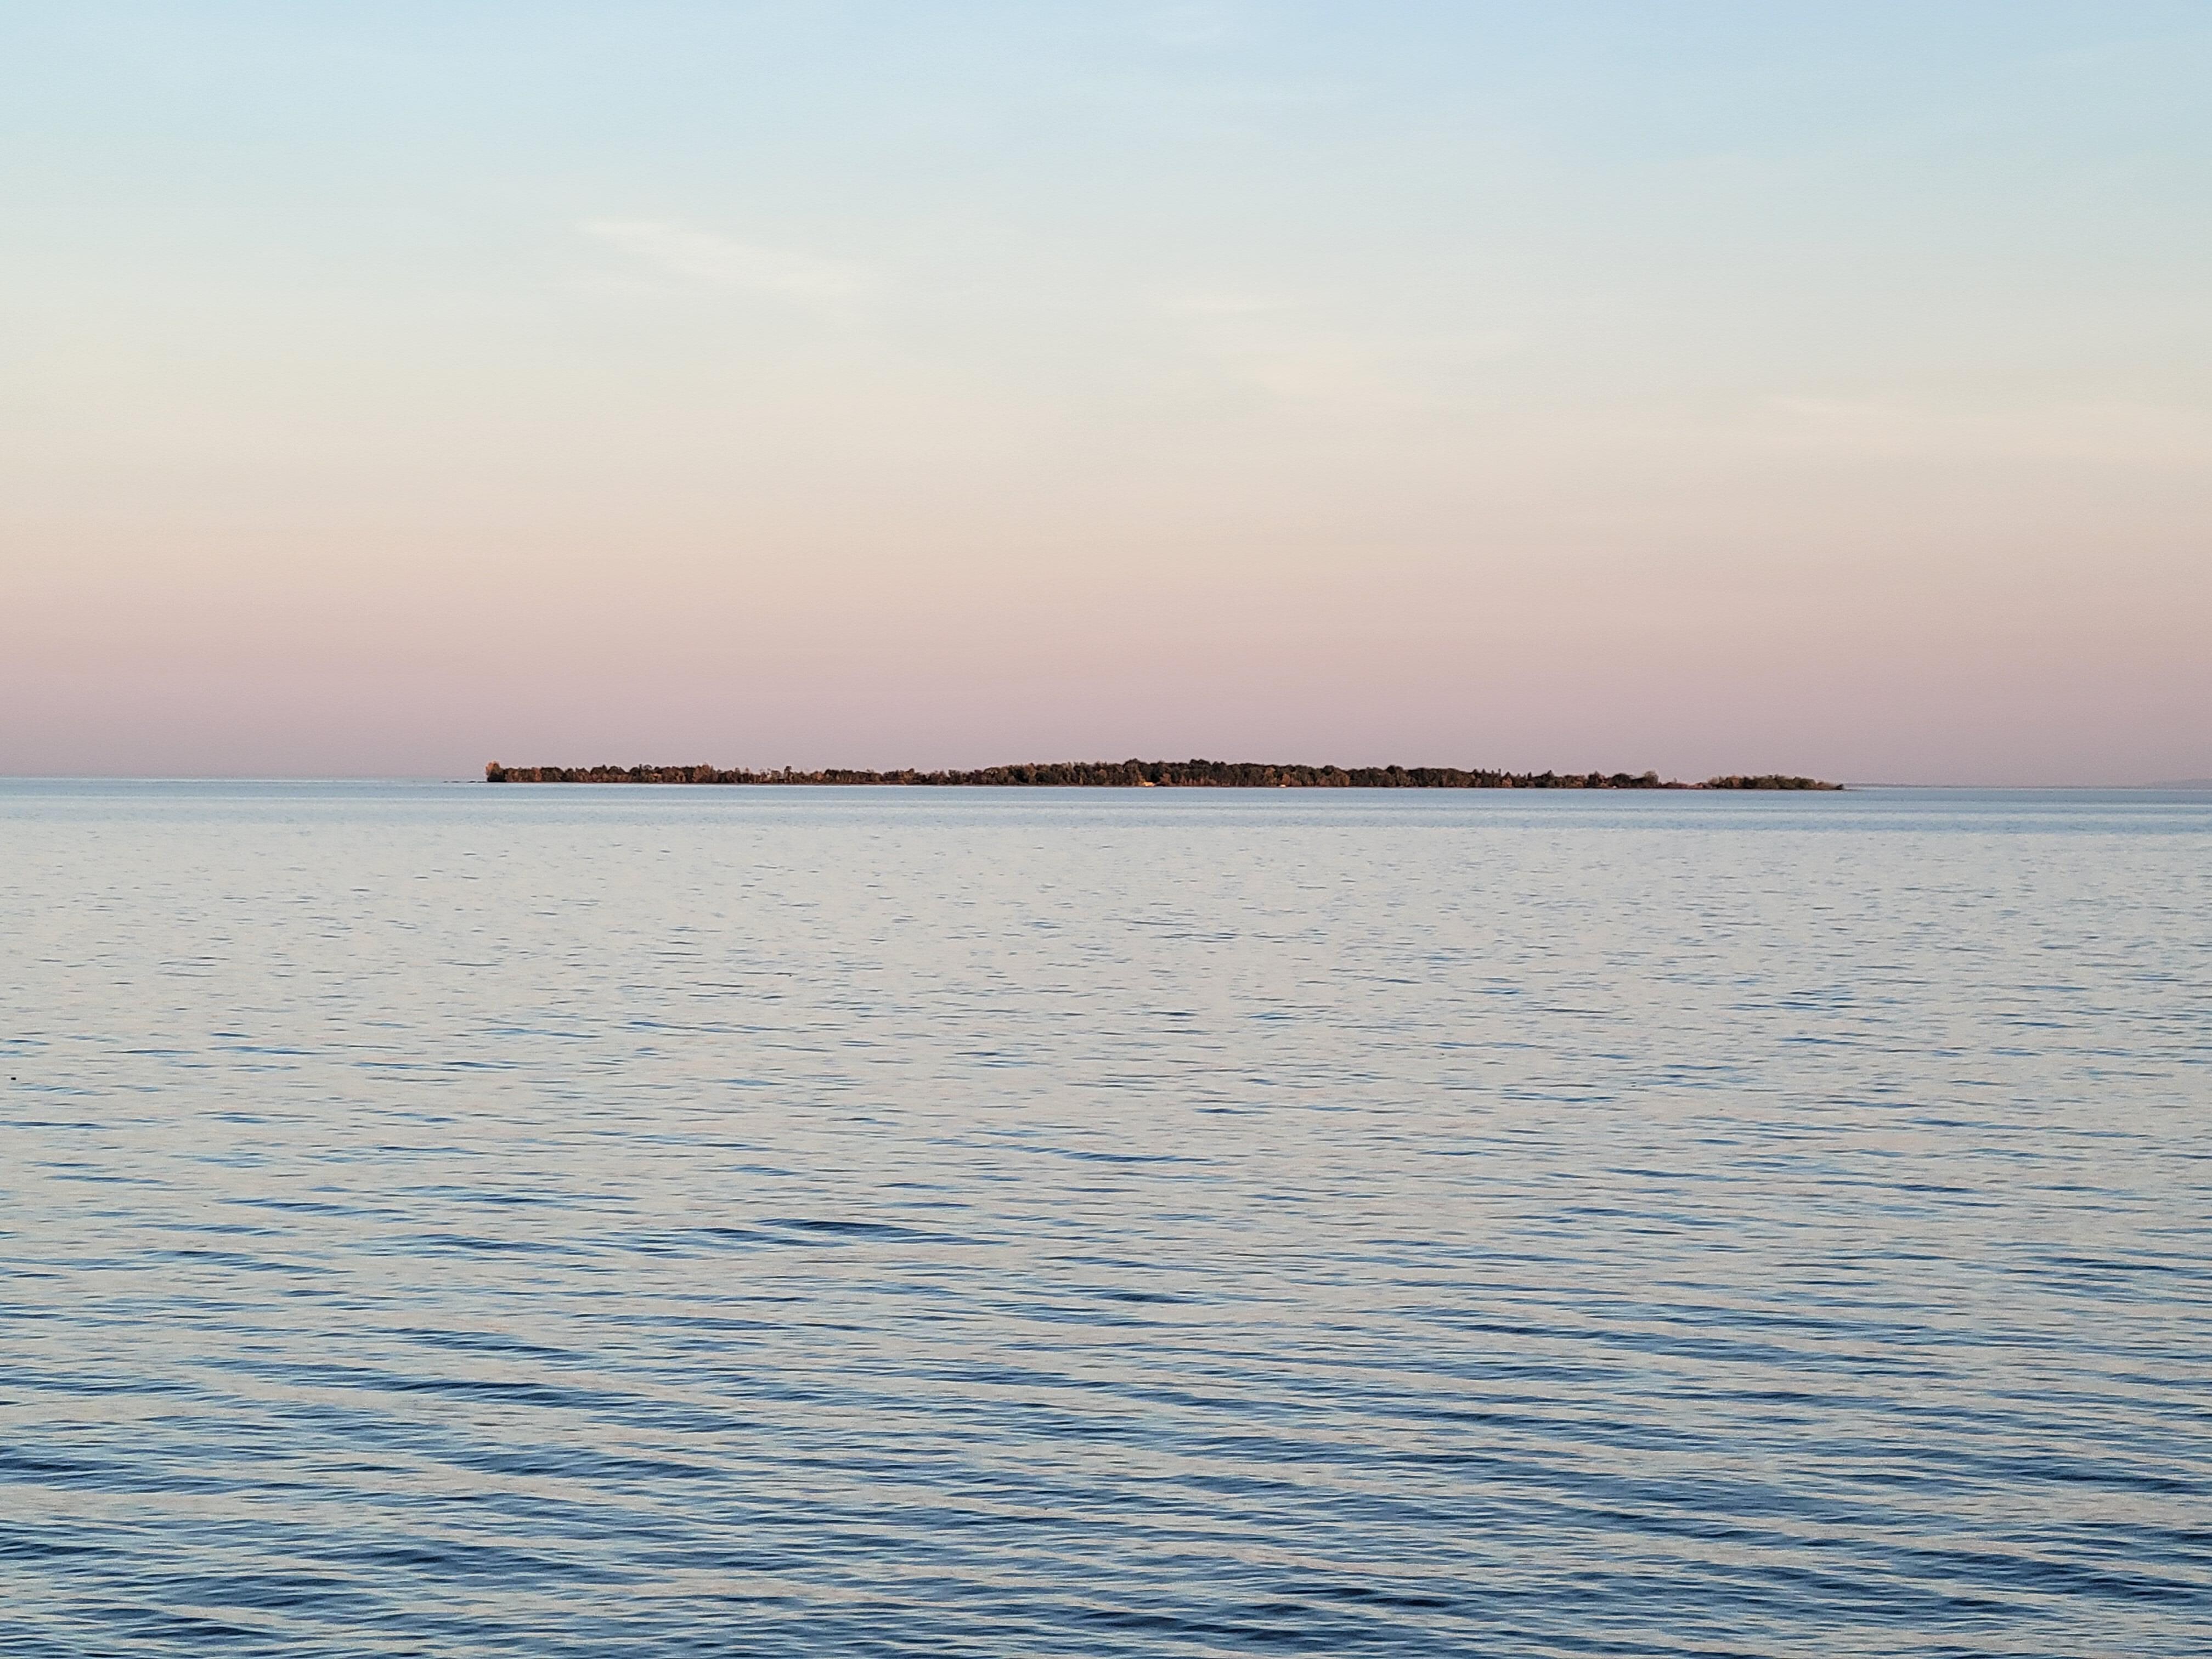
(1152, 774)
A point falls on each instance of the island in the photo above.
(1152, 774)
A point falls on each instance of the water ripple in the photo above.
(599, 1222)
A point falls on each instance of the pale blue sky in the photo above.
(1707, 386)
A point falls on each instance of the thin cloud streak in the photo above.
(2106, 433)
(1278, 346)
(703, 257)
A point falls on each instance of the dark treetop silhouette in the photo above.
(1143, 775)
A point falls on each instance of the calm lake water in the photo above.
(457, 1220)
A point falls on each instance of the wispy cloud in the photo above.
(1192, 23)
(1277, 345)
(1219, 302)
(2104, 432)
(699, 256)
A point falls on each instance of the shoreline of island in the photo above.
(1152, 774)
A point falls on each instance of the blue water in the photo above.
(457, 1220)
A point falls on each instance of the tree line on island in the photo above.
(1152, 775)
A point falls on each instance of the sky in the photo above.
(386, 389)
